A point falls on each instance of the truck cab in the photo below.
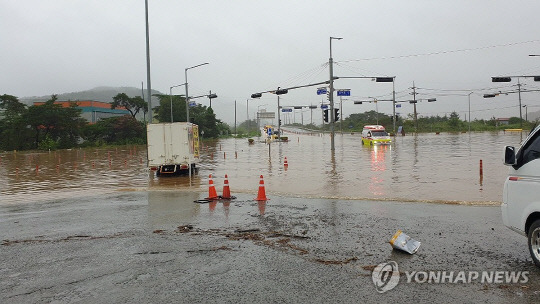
(521, 199)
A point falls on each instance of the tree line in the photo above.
(447, 123)
(52, 126)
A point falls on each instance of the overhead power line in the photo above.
(443, 52)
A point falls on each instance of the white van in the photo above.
(375, 135)
(521, 194)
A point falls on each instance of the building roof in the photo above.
(83, 103)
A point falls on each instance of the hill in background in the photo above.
(104, 94)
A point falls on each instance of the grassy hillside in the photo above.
(104, 94)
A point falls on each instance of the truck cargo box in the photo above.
(172, 146)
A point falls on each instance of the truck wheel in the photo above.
(534, 242)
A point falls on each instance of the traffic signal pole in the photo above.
(331, 95)
(279, 118)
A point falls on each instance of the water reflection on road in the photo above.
(428, 167)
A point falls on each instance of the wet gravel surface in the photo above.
(161, 247)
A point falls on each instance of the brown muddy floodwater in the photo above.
(425, 167)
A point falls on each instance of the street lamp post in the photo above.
(331, 95)
(520, 115)
(148, 83)
(470, 111)
(186, 83)
(170, 95)
(394, 103)
(258, 119)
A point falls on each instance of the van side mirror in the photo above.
(509, 156)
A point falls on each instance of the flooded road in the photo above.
(158, 246)
(426, 167)
(96, 224)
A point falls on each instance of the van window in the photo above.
(530, 151)
(379, 133)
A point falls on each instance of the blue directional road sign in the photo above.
(321, 91)
(286, 110)
(324, 106)
(344, 93)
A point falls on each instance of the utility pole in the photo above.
(332, 118)
(415, 114)
(341, 117)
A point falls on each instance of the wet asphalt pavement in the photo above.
(160, 247)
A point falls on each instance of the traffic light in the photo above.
(489, 95)
(282, 91)
(325, 115)
(336, 114)
(536, 78)
(501, 79)
(280, 122)
(384, 79)
(256, 95)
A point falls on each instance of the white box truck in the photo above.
(173, 147)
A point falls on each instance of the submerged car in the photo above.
(521, 193)
(375, 135)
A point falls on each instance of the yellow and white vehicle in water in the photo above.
(269, 133)
(375, 135)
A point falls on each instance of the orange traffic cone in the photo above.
(261, 196)
(285, 163)
(262, 207)
(212, 194)
(226, 190)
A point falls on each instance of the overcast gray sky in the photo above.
(59, 46)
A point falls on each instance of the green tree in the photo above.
(454, 122)
(13, 131)
(201, 115)
(11, 105)
(53, 121)
(163, 112)
(133, 104)
(115, 130)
